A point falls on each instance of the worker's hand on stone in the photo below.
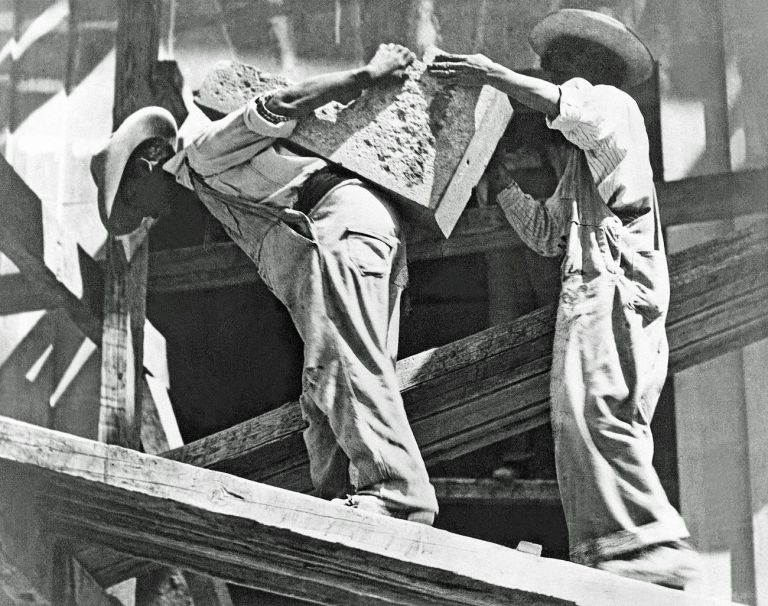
(390, 61)
(463, 70)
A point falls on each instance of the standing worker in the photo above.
(610, 350)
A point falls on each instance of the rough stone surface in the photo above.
(230, 85)
(425, 142)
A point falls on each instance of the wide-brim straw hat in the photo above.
(600, 28)
(108, 165)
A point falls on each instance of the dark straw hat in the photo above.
(108, 165)
(600, 28)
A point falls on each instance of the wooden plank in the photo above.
(16, 587)
(712, 459)
(79, 587)
(755, 360)
(288, 543)
(746, 81)
(35, 568)
(495, 384)
(718, 196)
(55, 270)
(30, 237)
(17, 295)
(125, 297)
(160, 432)
(479, 230)
(491, 491)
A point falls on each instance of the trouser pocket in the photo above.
(370, 252)
(286, 261)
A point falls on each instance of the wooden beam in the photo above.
(720, 196)
(495, 384)
(160, 432)
(35, 568)
(46, 257)
(55, 271)
(287, 543)
(79, 586)
(125, 297)
(491, 491)
(17, 295)
(479, 230)
(16, 587)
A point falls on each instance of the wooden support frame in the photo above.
(495, 384)
(492, 491)
(46, 257)
(283, 542)
(479, 230)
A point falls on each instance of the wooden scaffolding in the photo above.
(79, 516)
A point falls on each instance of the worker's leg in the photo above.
(341, 291)
(608, 370)
(336, 274)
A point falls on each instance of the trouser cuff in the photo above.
(611, 546)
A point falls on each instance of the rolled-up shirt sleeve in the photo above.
(234, 139)
(593, 117)
(541, 225)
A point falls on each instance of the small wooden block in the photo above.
(528, 547)
(426, 143)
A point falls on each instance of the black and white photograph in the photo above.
(383, 302)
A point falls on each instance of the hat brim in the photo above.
(108, 165)
(602, 29)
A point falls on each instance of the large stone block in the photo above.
(426, 143)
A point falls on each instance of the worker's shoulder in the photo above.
(598, 93)
(614, 94)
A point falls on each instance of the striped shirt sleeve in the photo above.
(594, 118)
(542, 226)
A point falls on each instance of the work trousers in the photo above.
(340, 271)
(609, 364)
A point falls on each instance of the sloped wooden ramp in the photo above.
(283, 542)
(494, 384)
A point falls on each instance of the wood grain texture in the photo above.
(495, 384)
(478, 230)
(125, 289)
(490, 491)
(55, 265)
(288, 543)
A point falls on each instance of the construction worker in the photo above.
(327, 245)
(610, 350)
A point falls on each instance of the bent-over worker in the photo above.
(325, 243)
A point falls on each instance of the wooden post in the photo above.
(137, 41)
(722, 491)
(286, 543)
(137, 85)
(423, 28)
(282, 30)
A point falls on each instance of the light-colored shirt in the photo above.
(606, 124)
(241, 155)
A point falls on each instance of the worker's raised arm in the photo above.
(304, 97)
(479, 70)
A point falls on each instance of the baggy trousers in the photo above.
(340, 273)
(609, 364)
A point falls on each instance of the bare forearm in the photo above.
(304, 97)
(538, 94)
